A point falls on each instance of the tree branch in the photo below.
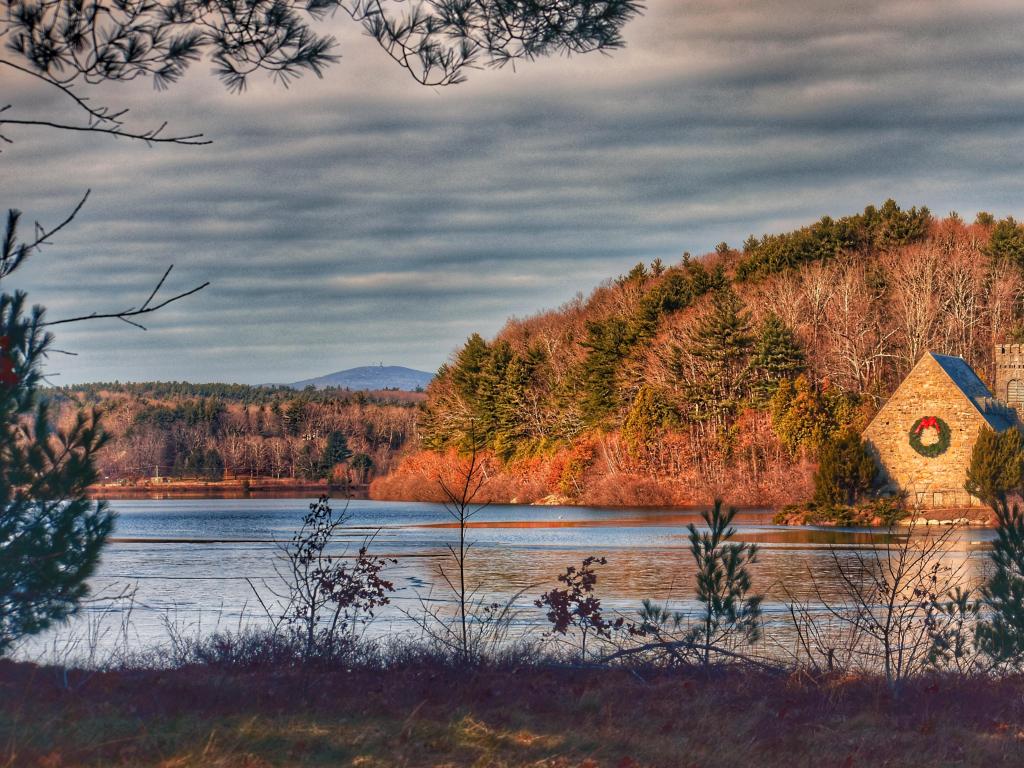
(123, 315)
(150, 137)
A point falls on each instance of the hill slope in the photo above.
(371, 377)
(724, 375)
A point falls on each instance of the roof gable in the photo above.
(997, 415)
(963, 376)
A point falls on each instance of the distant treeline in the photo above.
(728, 373)
(212, 431)
(246, 394)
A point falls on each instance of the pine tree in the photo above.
(491, 388)
(997, 464)
(648, 417)
(335, 452)
(846, 471)
(294, 416)
(727, 611)
(609, 342)
(459, 411)
(777, 356)
(362, 465)
(50, 533)
(213, 465)
(807, 416)
(1001, 634)
(720, 348)
(1007, 242)
(670, 295)
(469, 365)
(511, 424)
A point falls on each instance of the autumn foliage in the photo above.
(721, 376)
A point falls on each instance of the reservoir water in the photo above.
(196, 564)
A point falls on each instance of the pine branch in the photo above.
(149, 137)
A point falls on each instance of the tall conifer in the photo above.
(720, 348)
(777, 356)
(50, 533)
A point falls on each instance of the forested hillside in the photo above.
(212, 431)
(724, 374)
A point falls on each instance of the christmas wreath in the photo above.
(931, 450)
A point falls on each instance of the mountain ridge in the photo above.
(370, 377)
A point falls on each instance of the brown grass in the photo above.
(534, 716)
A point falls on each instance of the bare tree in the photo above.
(857, 341)
(916, 278)
(326, 593)
(460, 497)
(891, 604)
(480, 626)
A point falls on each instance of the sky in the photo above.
(363, 218)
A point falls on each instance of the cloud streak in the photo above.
(363, 218)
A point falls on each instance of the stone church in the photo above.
(923, 436)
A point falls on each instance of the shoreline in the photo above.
(235, 488)
(270, 488)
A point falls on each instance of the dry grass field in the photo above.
(438, 715)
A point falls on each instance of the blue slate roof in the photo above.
(998, 415)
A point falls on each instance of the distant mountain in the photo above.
(371, 377)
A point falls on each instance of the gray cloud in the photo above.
(363, 218)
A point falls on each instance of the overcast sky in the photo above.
(364, 218)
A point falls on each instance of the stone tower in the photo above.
(1009, 362)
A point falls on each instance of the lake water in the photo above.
(193, 563)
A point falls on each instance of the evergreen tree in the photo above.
(511, 425)
(213, 465)
(648, 417)
(997, 464)
(720, 347)
(608, 342)
(468, 367)
(777, 356)
(1001, 634)
(670, 295)
(1007, 243)
(492, 388)
(846, 471)
(336, 451)
(807, 416)
(437, 43)
(727, 611)
(702, 281)
(50, 533)
(893, 227)
(307, 463)
(294, 415)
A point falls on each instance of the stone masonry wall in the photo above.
(930, 482)
(1009, 362)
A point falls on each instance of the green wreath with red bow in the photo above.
(931, 450)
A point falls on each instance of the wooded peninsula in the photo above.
(724, 375)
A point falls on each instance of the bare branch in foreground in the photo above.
(150, 137)
(144, 309)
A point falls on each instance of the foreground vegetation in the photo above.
(908, 665)
(427, 712)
